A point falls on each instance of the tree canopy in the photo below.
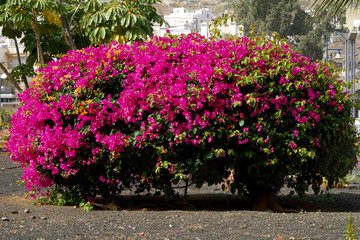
(305, 30)
(51, 28)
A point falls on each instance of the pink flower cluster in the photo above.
(109, 100)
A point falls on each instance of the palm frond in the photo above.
(335, 5)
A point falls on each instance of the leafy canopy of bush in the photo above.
(100, 120)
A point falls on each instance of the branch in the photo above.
(73, 15)
(35, 28)
(12, 80)
(23, 77)
(67, 35)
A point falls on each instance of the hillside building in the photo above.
(183, 21)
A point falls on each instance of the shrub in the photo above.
(101, 120)
(350, 229)
(5, 117)
(6, 137)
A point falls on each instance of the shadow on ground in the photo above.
(207, 198)
(339, 200)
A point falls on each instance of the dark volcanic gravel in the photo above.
(216, 215)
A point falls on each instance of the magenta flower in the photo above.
(292, 145)
(296, 133)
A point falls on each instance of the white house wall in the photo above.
(183, 21)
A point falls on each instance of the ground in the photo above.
(210, 214)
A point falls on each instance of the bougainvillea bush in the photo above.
(146, 115)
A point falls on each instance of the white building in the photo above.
(229, 28)
(183, 21)
(353, 18)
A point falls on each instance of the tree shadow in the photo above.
(340, 201)
(193, 202)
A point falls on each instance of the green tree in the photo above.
(28, 14)
(310, 45)
(305, 30)
(53, 27)
(279, 18)
(253, 12)
(119, 20)
(268, 15)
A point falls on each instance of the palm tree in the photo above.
(335, 5)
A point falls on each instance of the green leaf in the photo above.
(94, 33)
(40, 4)
(102, 33)
(4, 16)
(209, 155)
(134, 19)
(127, 21)
(122, 21)
(97, 18)
(92, 6)
(129, 35)
(248, 154)
(350, 229)
(11, 32)
(140, 20)
(110, 13)
(15, 2)
(17, 17)
(241, 122)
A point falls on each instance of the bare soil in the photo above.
(208, 214)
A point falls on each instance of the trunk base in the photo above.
(266, 202)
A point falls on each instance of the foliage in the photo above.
(6, 137)
(5, 117)
(336, 5)
(305, 30)
(98, 21)
(58, 196)
(345, 181)
(310, 45)
(341, 182)
(54, 47)
(119, 20)
(146, 115)
(86, 206)
(18, 71)
(51, 28)
(350, 229)
(214, 27)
